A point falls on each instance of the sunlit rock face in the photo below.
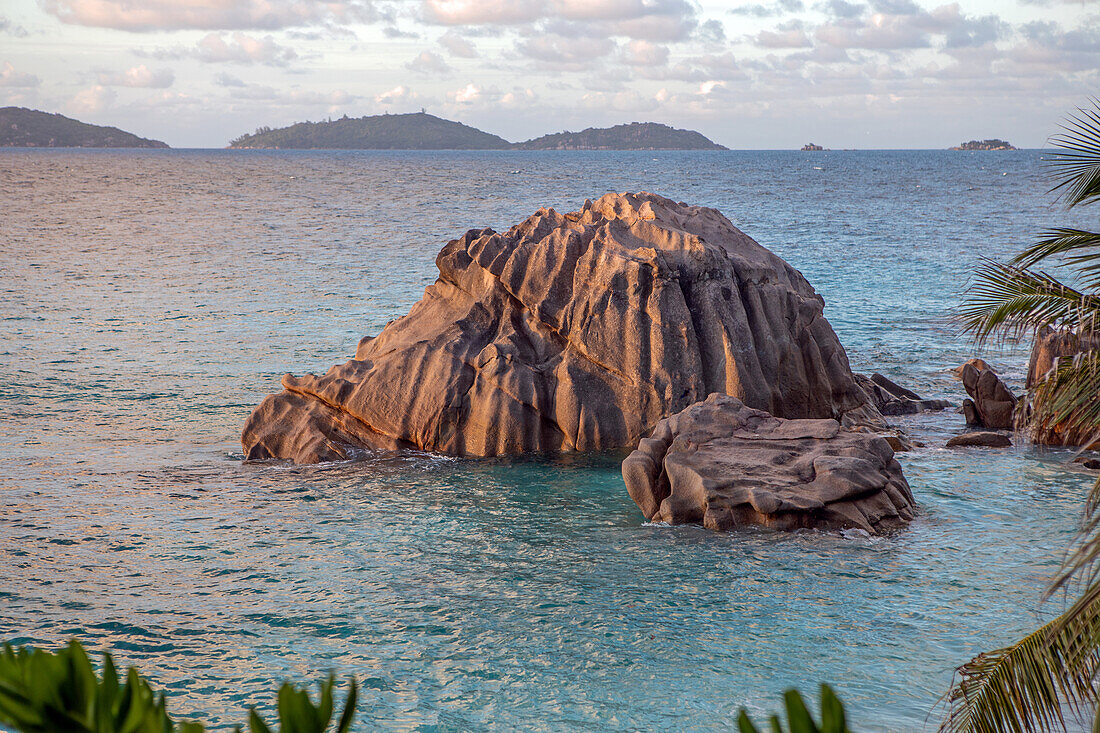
(724, 465)
(574, 331)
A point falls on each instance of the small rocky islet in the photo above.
(637, 323)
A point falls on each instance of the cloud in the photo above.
(140, 76)
(430, 63)
(785, 35)
(645, 53)
(574, 52)
(395, 32)
(137, 16)
(469, 94)
(92, 100)
(655, 20)
(779, 7)
(6, 26)
(228, 80)
(841, 8)
(243, 49)
(456, 45)
(9, 77)
(396, 95)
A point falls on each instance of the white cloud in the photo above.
(93, 100)
(9, 77)
(136, 15)
(467, 95)
(645, 53)
(427, 62)
(239, 48)
(397, 95)
(140, 76)
(786, 35)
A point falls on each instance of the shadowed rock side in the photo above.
(992, 404)
(573, 332)
(724, 465)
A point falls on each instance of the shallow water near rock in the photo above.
(152, 298)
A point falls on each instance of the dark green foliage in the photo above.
(298, 714)
(59, 692)
(799, 718)
(418, 131)
(635, 136)
(28, 128)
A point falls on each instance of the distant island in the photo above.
(416, 131)
(811, 146)
(985, 145)
(422, 131)
(29, 128)
(635, 136)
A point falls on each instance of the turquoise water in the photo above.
(150, 300)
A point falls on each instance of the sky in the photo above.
(749, 74)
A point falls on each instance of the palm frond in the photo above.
(1081, 248)
(1077, 157)
(1065, 404)
(1025, 687)
(1013, 301)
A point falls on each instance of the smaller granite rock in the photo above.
(970, 413)
(724, 465)
(1092, 464)
(993, 400)
(892, 399)
(983, 438)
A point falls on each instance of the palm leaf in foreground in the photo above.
(1077, 157)
(1014, 301)
(1080, 247)
(1025, 687)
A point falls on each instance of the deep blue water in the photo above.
(152, 298)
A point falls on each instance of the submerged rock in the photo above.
(723, 464)
(994, 403)
(983, 438)
(573, 331)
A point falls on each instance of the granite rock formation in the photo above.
(722, 464)
(891, 398)
(1052, 346)
(574, 331)
(983, 438)
(992, 403)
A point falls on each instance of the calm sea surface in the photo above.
(148, 300)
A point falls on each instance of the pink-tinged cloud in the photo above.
(141, 77)
(148, 15)
(240, 48)
(9, 77)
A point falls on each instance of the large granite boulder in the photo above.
(992, 403)
(574, 331)
(723, 464)
(1051, 347)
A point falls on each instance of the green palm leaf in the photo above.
(1025, 687)
(1077, 157)
(1013, 301)
(1081, 249)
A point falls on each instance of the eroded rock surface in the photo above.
(722, 464)
(891, 398)
(994, 404)
(573, 331)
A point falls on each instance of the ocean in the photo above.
(150, 299)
